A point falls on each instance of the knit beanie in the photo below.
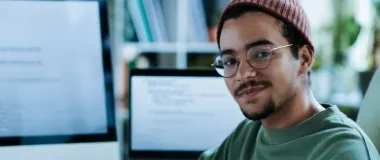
(289, 11)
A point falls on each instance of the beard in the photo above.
(269, 108)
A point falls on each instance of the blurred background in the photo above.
(182, 34)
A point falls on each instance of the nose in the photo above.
(245, 71)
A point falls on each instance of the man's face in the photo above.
(259, 92)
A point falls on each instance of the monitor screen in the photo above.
(184, 113)
(55, 81)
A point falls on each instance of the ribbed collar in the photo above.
(306, 127)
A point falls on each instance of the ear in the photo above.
(306, 59)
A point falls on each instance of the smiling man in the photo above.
(266, 58)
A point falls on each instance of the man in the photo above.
(266, 58)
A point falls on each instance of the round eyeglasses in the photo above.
(258, 57)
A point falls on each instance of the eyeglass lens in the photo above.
(257, 57)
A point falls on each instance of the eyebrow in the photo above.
(257, 43)
(247, 46)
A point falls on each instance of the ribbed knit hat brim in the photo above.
(289, 11)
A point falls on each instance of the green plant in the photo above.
(376, 45)
(344, 28)
(376, 3)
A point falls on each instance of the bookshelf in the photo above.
(172, 47)
(181, 51)
(172, 33)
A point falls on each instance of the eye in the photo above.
(229, 61)
(262, 55)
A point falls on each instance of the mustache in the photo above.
(250, 84)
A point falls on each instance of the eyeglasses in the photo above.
(257, 57)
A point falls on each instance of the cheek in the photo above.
(280, 77)
(230, 84)
(279, 82)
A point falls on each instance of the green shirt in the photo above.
(328, 135)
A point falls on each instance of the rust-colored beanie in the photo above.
(289, 11)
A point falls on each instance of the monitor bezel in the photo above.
(163, 154)
(110, 135)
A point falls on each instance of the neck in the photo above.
(297, 109)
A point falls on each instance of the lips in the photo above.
(251, 91)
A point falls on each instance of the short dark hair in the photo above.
(290, 33)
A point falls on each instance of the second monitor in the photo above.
(179, 113)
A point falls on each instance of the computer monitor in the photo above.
(368, 116)
(56, 95)
(178, 113)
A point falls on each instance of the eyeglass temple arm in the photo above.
(282, 47)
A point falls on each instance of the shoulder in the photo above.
(237, 137)
(344, 139)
